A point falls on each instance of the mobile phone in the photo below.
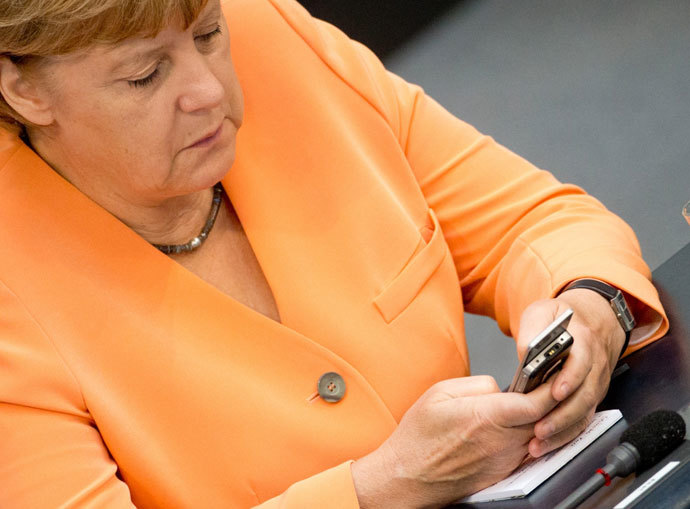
(545, 353)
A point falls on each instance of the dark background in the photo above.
(380, 24)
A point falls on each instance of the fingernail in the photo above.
(548, 430)
(542, 448)
(565, 390)
(533, 451)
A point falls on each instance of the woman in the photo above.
(293, 336)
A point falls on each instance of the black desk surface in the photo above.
(659, 377)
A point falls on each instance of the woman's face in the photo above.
(148, 119)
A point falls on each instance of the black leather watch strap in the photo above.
(616, 301)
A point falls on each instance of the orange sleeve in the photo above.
(516, 234)
(332, 488)
(52, 454)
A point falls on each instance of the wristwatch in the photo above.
(616, 300)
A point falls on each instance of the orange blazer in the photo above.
(377, 218)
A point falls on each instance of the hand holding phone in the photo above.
(545, 355)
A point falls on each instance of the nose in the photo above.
(201, 88)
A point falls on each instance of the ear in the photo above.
(24, 94)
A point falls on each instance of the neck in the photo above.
(171, 220)
(174, 221)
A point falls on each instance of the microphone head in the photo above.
(654, 436)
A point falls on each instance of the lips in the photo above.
(208, 139)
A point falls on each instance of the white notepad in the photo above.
(526, 478)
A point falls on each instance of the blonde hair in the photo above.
(34, 29)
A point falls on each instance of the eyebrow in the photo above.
(137, 58)
(142, 56)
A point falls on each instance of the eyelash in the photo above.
(145, 82)
(207, 37)
(148, 80)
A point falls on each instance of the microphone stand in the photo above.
(621, 461)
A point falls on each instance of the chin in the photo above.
(206, 171)
(205, 178)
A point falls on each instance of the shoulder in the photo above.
(282, 33)
(9, 146)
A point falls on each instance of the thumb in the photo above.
(534, 320)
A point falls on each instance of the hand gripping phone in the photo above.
(545, 355)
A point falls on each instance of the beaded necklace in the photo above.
(201, 238)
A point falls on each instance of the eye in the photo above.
(145, 82)
(205, 38)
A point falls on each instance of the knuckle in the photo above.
(534, 411)
(482, 418)
(488, 383)
(584, 422)
(584, 355)
(603, 385)
(536, 310)
(587, 334)
(437, 387)
(590, 396)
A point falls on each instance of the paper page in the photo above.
(530, 475)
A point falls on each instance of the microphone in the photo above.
(642, 445)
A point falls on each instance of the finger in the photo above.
(520, 436)
(467, 386)
(570, 411)
(538, 447)
(513, 409)
(533, 320)
(576, 367)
